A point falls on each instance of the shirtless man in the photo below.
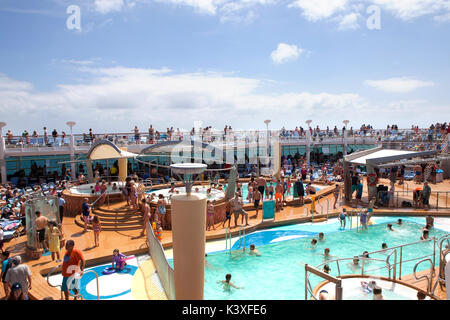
(41, 223)
(279, 196)
(256, 198)
(253, 251)
(146, 215)
(261, 185)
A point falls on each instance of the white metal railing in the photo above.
(429, 278)
(228, 240)
(165, 271)
(78, 295)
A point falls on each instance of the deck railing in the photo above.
(165, 271)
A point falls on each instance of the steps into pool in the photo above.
(122, 218)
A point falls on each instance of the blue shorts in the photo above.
(75, 284)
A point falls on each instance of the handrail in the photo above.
(241, 235)
(78, 294)
(228, 234)
(430, 278)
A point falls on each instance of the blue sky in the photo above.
(237, 62)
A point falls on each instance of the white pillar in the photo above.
(188, 233)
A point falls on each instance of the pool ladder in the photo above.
(228, 238)
(78, 295)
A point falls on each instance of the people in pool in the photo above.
(321, 236)
(118, 260)
(326, 254)
(377, 293)
(343, 217)
(254, 251)
(389, 226)
(326, 269)
(313, 243)
(354, 265)
(399, 221)
(227, 284)
(425, 234)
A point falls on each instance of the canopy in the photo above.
(105, 149)
(378, 156)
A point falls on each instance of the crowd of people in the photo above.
(209, 134)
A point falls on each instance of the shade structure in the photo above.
(379, 156)
(105, 149)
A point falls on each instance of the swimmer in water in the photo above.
(313, 243)
(355, 264)
(227, 284)
(326, 269)
(424, 234)
(389, 226)
(377, 293)
(321, 236)
(343, 217)
(253, 251)
(399, 221)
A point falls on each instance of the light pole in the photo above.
(308, 143)
(345, 136)
(2, 154)
(72, 150)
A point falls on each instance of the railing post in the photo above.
(401, 259)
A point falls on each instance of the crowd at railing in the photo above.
(391, 134)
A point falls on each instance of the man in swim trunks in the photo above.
(146, 212)
(256, 198)
(227, 214)
(85, 211)
(261, 185)
(237, 209)
(355, 180)
(426, 192)
(279, 195)
(41, 224)
(300, 190)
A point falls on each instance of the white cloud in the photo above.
(286, 53)
(398, 85)
(107, 6)
(319, 9)
(349, 21)
(116, 98)
(410, 9)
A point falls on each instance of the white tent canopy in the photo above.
(379, 156)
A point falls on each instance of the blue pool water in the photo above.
(279, 272)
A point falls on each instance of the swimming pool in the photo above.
(279, 272)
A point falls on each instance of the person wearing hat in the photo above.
(19, 273)
(16, 292)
